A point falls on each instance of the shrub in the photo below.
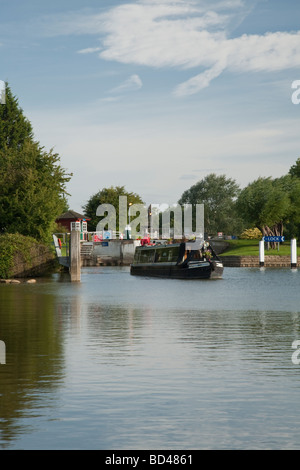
(251, 234)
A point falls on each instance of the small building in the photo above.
(71, 217)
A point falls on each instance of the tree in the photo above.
(108, 196)
(32, 182)
(15, 128)
(295, 169)
(293, 222)
(218, 194)
(269, 204)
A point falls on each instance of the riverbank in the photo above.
(250, 248)
(245, 253)
(271, 261)
(235, 253)
(23, 257)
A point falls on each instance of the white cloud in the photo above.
(132, 83)
(197, 83)
(184, 34)
(89, 50)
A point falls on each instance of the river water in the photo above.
(122, 362)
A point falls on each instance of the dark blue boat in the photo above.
(186, 260)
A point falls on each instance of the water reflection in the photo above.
(34, 355)
(119, 362)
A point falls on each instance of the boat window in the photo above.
(167, 254)
(173, 254)
(161, 255)
(146, 256)
(196, 254)
(164, 256)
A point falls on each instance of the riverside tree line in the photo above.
(33, 190)
(272, 205)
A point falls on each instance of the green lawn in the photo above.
(251, 247)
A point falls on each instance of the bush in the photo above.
(251, 234)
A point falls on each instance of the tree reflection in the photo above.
(29, 326)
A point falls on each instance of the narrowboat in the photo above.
(186, 260)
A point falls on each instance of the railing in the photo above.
(89, 237)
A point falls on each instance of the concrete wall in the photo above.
(110, 252)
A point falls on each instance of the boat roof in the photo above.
(159, 245)
(166, 245)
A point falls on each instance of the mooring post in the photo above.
(75, 262)
(293, 253)
(261, 253)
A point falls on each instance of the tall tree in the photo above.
(32, 182)
(15, 128)
(293, 224)
(108, 196)
(295, 169)
(218, 194)
(269, 203)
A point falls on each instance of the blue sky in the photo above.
(156, 94)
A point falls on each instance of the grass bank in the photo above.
(251, 248)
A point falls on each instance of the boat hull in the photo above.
(207, 271)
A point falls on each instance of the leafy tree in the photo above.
(15, 128)
(32, 183)
(295, 169)
(108, 196)
(271, 204)
(218, 194)
(293, 225)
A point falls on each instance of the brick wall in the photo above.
(253, 261)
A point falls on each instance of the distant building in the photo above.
(68, 217)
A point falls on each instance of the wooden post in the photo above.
(75, 261)
(261, 253)
(293, 253)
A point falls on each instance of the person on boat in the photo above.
(145, 241)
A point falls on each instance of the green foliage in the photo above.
(32, 183)
(108, 196)
(15, 129)
(270, 204)
(12, 245)
(295, 169)
(218, 194)
(251, 234)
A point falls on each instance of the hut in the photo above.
(69, 218)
